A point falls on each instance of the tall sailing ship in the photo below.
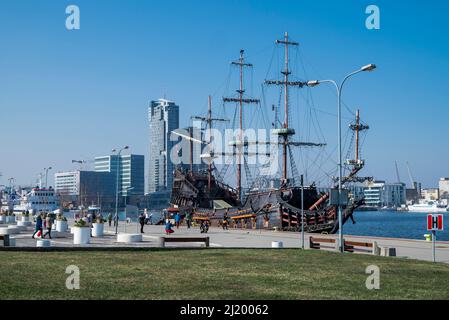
(285, 203)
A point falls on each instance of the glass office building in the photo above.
(163, 118)
(131, 171)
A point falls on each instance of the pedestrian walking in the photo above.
(204, 227)
(225, 221)
(189, 220)
(142, 222)
(48, 225)
(177, 220)
(38, 228)
(110, 219)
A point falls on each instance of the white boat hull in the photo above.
(427, 209)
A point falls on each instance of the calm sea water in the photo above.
(393, 224)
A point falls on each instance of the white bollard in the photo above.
(376, 249)
(129, 238)
(160, 242)
(43, 243)
(277, 244)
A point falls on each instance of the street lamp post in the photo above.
(116, 187)
(313, 83)
(46, 186)
(126, 198)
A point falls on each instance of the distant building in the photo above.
(85, 188)
(414, 194)
(430, 194)
(130, 169)
(381, 194)
(157, 200)
(163, 117)
(443, 187)
(357, 191)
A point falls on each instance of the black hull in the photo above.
(275, 208)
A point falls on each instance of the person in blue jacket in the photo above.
(177, 220)
(39, 226)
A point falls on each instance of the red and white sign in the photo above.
(435, 222)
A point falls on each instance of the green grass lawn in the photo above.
(217, 274)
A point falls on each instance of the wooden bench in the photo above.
(5, 239)
(350, 246)
(369, 247)
(164, 240)
(315, 243)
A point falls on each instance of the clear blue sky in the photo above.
(77, 94)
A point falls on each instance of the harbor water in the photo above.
(393, 224)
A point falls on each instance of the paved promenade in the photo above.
(236, 238)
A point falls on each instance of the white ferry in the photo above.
(428, 206)
(38, 200)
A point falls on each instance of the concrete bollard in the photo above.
(277, 244)
(376, 249)
(337, 244)
(160, 241)
(129, 238)
(43, 243)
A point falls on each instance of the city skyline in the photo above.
(77, 94)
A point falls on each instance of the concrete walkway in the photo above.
(237, 238)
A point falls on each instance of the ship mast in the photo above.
(285, 132)
(357, 127)
(209, 122)
(241, 101)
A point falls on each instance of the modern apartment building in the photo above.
(443, 187)
(382, 194)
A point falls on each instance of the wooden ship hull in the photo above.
(272, 208)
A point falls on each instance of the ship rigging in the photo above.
(208, 196)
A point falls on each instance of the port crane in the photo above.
(414, 184)
(397, 172)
